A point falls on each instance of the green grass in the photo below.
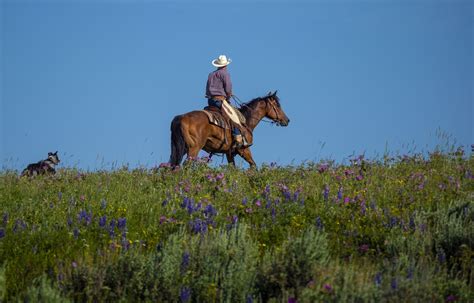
(386, 230)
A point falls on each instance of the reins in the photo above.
(242, 104)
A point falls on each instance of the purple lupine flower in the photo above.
(5, 219)
(363, 208)
(164, 203)
(394, 283)
(210, 211)
(339, 193)
(378, 279)
(75, 233)
(410, 273)
(451, 298)
(84, 217)
(364, 248)
(112, 228)
(273, 213)
(296, 195)
(2, 233)
(19, 225)
(69, 221)
(74, 264)
(266, 191)
(292, 300)
(326, 192)
(411, 223)
(162, 219)
(235, 219)
(220, 176)
(244, 201)
(328, 287)
(347, 200)
(323, 167)
(103, 204)
(319, 223)
(103, 221)
(121, 223)
(441, 257)
(198, 226)
(184, 262)
(258, 203)
(185, 294)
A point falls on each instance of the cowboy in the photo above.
(218, 94)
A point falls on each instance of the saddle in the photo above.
(216, 118)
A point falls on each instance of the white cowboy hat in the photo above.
(221, 61)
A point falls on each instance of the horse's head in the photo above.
(274, 110)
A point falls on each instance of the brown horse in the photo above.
(192, 131)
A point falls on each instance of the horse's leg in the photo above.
(230, 158)
(247, 155)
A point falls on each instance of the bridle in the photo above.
(267, 100)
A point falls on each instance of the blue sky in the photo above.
(101, 81)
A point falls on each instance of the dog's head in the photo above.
(53, 157)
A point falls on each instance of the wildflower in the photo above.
(244, 201)
(347, 200)
(210, 211)
(103, 221)
(441, 256)
(328, 287)
(323, 167)
(19, 225)
(319, 223)
(75, 233)
(185, 294)
(326, 192)
(198, 226)
(249, 299)
(74, 264)
(164, 203)
(292, 300)
(258, 203)
(60, 195)
(410, 273)
(339, 193)
(164, 165)
(359, 177)
(451, 298)
(394, 283)
(378, 279)
(220, 176)
(362, 208)
(235, 219)
(184, 262)
(248, 210)
(103, 204)
(162, 219)
(2, 233)
(364, 248)
(69, 221)
(121, 223)
(5, 218)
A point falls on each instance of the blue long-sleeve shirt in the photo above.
(219, 83)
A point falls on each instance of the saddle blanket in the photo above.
(216, 118)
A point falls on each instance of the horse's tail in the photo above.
(178, 145)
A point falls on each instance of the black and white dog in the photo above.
(42, 167)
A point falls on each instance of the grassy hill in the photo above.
(386, 230)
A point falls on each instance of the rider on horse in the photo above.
(218, 94)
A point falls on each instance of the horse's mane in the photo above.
(251, 104)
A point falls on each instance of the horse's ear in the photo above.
(269, 93)
(275, 93)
